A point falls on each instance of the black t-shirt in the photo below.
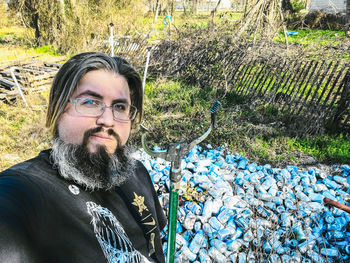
(45, 218)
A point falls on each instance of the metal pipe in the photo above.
(172, 221)
(17, 85)
(146, 68)
(111, 39)
(331, 202)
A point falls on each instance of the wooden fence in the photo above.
(316, 91)
(315, 95)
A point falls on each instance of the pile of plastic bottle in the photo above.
(231, 210)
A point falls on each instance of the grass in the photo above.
(181, 21)
(14, 31)
(315, 37)
(334, 148)
(22, 133)
(15, 44)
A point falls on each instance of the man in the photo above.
(86, 199)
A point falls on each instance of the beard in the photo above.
(98, 170)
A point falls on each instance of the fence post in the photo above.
(111, 39)
(343, 103)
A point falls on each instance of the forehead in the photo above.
(104, 84)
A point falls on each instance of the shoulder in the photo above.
(141, 174)
(41, 163)
(20, 185)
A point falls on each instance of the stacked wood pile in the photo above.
(30, 75)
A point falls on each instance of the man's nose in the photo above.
(106, 118)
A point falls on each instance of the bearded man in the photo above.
(86, 199)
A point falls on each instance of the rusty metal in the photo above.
(336, 204)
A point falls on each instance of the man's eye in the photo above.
(120, 107)
(90, 102)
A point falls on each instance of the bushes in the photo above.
(316, 20)
(71, 26)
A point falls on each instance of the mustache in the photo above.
(92, 131)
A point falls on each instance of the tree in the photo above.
(287, 6)
(29, 12)
(263, 19)
(347, 19)
(213, 12)
(71, 25)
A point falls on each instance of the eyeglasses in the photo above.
(94, 108)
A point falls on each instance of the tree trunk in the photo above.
(184, 6)
(172, 7)
(213, 12)
(35, 24)
(347, 20)
(287, 6)
(156, 12)
(195, 7)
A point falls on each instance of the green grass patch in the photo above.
(13, 31)
(50, 50)
(333, 148)
(315, 37)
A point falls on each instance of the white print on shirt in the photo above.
(113, 240)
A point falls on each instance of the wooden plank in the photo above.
(272, 78)
(258, 80)
(333, 86)
(329, 80)
(246, 76)
(250, 78)
(303, 67)
(7, 74)
(278, 93)
(7, 83)
(293, 100)
(237, 70)
(53, 65)
(314, 87)
(343, 102)
(242, 72)
(255, 79)
(320, 80)
(296, 72)
(305, 87)
(284, 71)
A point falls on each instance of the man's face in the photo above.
(110, 88)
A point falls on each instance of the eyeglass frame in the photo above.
(75, 101)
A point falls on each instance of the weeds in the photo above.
(333, 148)
(312, 36)
(22, 133)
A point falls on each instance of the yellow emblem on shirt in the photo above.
(139, 202)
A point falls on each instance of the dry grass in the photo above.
(22, 133)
